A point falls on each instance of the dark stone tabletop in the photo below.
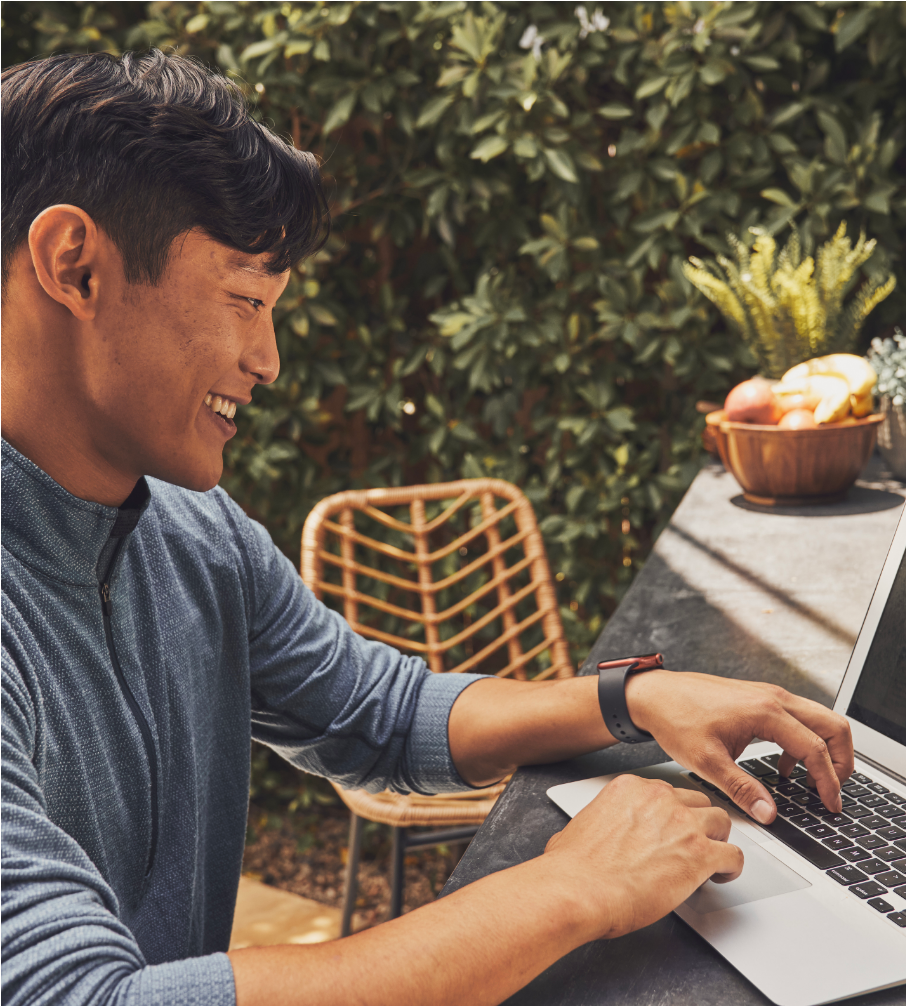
(729, 589)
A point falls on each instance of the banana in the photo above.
(830, 392)
(861, 405)
(861, 377)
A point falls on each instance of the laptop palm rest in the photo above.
(762, 878)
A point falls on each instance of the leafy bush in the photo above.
(515, 187)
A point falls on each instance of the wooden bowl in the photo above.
(791, 467)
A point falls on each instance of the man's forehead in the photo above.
(248, 263)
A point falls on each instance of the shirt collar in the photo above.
(54, 532)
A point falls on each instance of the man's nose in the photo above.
(261, 360)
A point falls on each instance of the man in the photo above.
(150, 628)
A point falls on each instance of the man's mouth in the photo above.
(220, 405)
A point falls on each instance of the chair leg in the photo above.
(398, 848)
(354, 848)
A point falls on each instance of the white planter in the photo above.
(891, 436)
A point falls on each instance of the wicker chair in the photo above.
(485, 567)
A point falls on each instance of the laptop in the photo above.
(818, 914)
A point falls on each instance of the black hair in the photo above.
(150, 146)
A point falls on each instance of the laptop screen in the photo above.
(878, 700)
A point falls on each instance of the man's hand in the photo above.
(639, 849)
(705, 722)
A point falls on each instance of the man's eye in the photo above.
(255, 302)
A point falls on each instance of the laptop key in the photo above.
(899, 865)
(801, 843)
(838, 843)
(773, 760)
(837, 820)
(898, 820)
(871, 842)
(789, 789)
(889, 854)
(856, 854)
(859, 811)
(890, 879)
(880, 905)
(875, 822)
(897, 918)
(853, 831)
(855, 789)
(797, 773)
(877, 788)
(890, 811)
(803, 821)
(891, 832)
(755, 767)
(867, 889)
(860, 778)
(900, 891)
(847, 875)
(816, 808)
(789, 809)
(819, 831)
(874, 866)
(848, 802)
(900, 843)
(803, 799)
(873, 801)
(897, 799)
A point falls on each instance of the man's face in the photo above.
(165, 354)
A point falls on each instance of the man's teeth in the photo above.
(225, 407)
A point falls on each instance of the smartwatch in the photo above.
(612, 702)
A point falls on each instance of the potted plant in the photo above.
(887, 357)
(787, 307)
(805, 438)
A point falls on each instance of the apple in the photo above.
(798, 419)
(753, 401)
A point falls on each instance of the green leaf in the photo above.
(340, 112)
(836, 145)
(562, 362)
(777, 196)
(762, 63)
(266, 45)
(321, 314)
(488, 148)
(788, 113)
(650, 87)
(852, 25)
(614, 111)
(197, 23)
(621, 419)
(434, 109)
(561, 165)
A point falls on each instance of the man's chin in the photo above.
(199, 478)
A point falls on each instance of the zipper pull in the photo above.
(106, 604)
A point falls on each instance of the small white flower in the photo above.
(532, 39)
(598, 23)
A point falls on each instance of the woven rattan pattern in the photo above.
(500, 550)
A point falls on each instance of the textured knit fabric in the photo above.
(217, 639)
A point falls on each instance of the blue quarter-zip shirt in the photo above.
(142, 648)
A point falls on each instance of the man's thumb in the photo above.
(749, 794)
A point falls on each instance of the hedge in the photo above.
(515, 187)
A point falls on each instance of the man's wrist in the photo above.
(641, 692)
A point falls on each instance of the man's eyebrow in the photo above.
(235, 262)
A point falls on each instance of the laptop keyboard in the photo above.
(862, 848)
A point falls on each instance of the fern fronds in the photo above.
(786, 308)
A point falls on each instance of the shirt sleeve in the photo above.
(329, 701)
(62, 940)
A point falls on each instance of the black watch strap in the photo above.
(612, 701)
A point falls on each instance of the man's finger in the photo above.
(832, 727)
(692, 798)
(798, 740)
(746, 791)
(716, 822)
(728, 863)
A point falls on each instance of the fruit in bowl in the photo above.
(803, 439)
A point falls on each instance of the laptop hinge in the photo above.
(880, 767)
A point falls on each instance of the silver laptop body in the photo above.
(796, 933)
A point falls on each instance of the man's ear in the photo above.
(64, 245)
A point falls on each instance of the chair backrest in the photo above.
(442, 571)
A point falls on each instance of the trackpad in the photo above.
(763, 876)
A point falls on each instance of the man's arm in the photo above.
(702, 721)
(638, 850)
